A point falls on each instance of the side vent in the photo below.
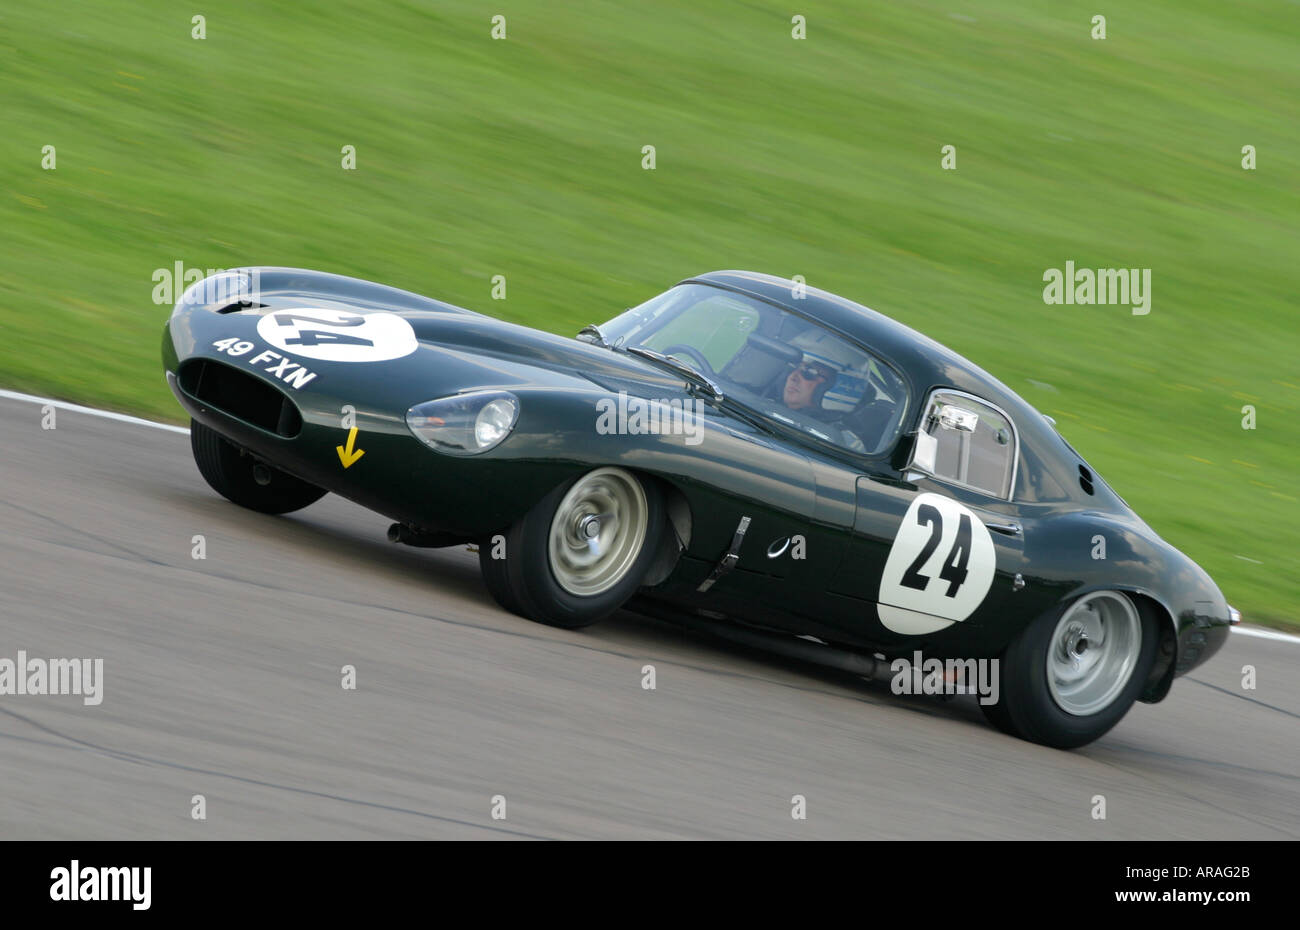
(240, 395)
(241, 305)
(1085, 480)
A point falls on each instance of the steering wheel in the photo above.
(695, 354)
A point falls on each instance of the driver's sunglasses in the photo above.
(809, 373)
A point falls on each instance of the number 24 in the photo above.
(954, 566)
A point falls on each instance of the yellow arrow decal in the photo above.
(348, 456)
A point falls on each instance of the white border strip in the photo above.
(77, 408)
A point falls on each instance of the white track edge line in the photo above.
(1266, 634)
(106, 414)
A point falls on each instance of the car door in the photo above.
(751, 498)
(940, 543)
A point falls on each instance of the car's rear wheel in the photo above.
(1075, 671)
(580, 553)
(246, 481)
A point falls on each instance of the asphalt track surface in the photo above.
(222, 678)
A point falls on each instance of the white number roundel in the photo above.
(939, 569)
(338, 335)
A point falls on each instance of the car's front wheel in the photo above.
(580, 553)
(1075, 671)
(243, 479)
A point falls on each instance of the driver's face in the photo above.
(800, 385)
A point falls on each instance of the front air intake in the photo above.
(239, 394)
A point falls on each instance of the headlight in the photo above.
(465, 424)
(220, 290)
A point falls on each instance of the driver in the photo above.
(805, 386)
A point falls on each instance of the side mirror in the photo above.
(958, 418)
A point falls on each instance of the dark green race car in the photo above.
(741, 449)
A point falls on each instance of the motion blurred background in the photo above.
(820, 157)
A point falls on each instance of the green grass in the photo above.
(820, 157)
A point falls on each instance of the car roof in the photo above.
(926, 361)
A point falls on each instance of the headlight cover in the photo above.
(464, 424)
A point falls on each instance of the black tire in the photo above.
(495, 575)
(230, 473)
(1026, 707)
(524, 583)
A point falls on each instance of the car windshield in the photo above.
(782, 366)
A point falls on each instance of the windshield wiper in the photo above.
(686, 371)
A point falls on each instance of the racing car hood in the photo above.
(456, 350)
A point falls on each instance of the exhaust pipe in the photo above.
(410, 536)
(806, 650)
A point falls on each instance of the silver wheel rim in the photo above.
(597, 532)
(1092, 652)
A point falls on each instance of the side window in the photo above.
(966, 442)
